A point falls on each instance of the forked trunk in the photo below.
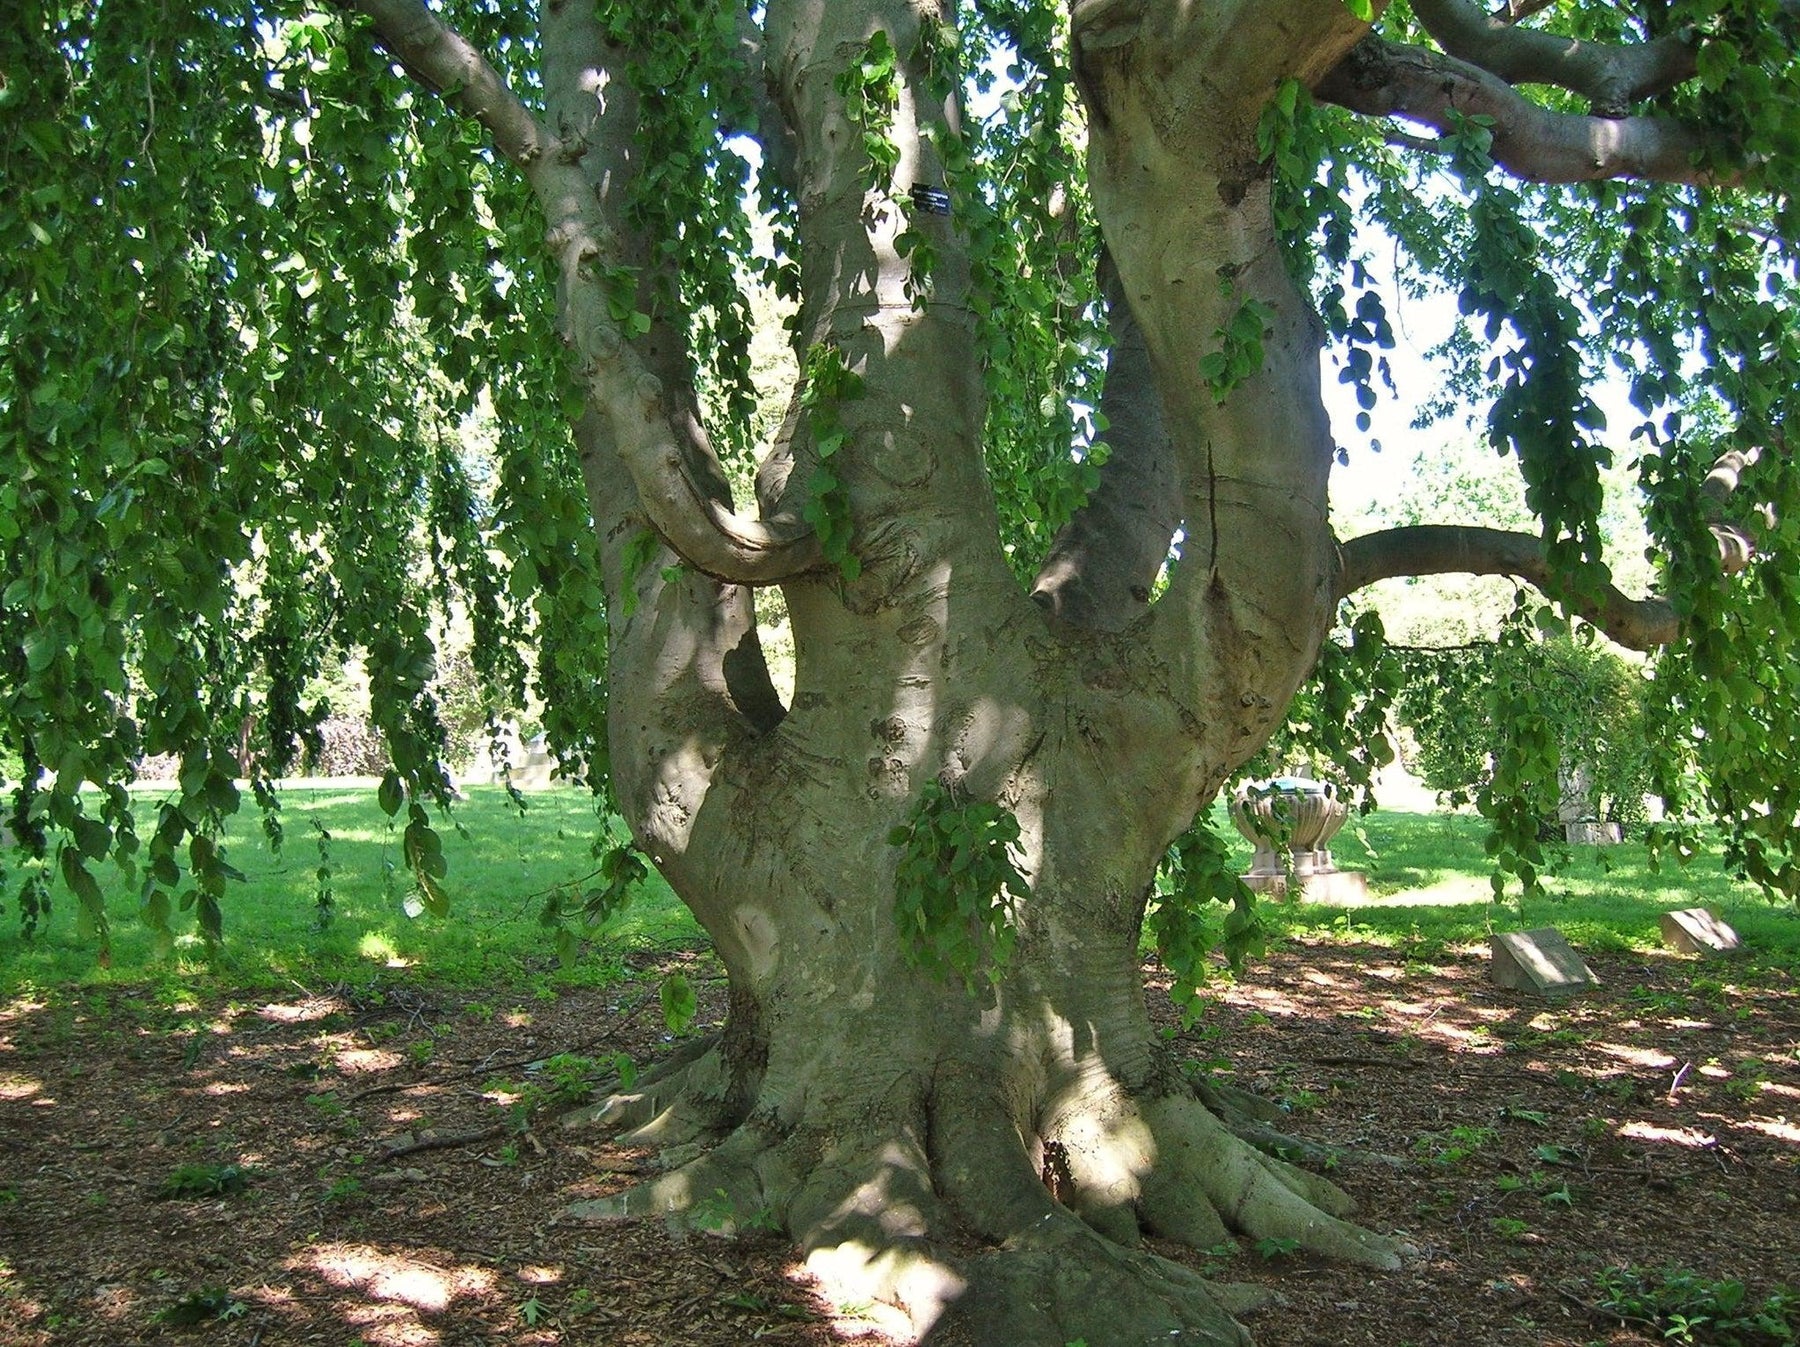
(891, 1119)
(983, 1161)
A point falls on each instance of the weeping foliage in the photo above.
(1684, 293)
(262, 287)
(263, 283)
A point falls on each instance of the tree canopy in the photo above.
(271, 257)
(1047, 503)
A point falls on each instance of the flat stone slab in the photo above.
(1699, 930)
(1338, 888)
(1540, 962)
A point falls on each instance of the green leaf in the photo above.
(390, 794)
(679, 1002)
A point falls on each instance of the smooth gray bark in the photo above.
(882, 1115)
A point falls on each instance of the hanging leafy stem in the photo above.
(1239, 354)
(686, 71)
(871, 92)
(598, 898)
(957, 885)
(827, 383)
(1195, 875)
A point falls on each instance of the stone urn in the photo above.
(1291, 815)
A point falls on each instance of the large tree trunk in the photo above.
(982, 1161)
(886, 1117)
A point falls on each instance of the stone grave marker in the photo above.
(1540, 962)
(1699, 930)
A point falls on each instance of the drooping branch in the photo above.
(1391, 79)
(1610, 75)
(645, 387)
(444, 61)
(1453, 549)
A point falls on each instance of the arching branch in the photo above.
(1453, 549)
(1381, 78)
(1611, 76)
(444, 61)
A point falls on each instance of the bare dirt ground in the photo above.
(389, 1198)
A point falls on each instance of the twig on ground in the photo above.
(441, 1141)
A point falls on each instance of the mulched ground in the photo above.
(1653, 1123)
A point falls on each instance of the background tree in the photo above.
(269, 255)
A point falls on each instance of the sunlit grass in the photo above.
(501, 865)
(1429, 882)
(1428, 877)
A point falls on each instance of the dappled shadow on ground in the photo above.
(1649, 1123)
(394, 1189)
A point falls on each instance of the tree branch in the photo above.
(641, 386)
(1736, 544)
(772, 130)
(1446, 549)
(444, 61)
(1101, 565)
(1610, 76)
(1382, 79)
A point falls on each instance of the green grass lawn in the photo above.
(501, 864)
(1429, 881)
(1428, 875)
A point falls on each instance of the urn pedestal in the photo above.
(1291, 821)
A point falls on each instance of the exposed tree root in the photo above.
(884, 1201)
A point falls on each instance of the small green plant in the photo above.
(1700, 1311)
(345, 1190)
(330, 1108)
(1454, 1146)
(532, 1310)
(1559, 1196)
(1508, 1227)
(1276, 1246)
(421, 1051)
(1746, 1084)
(196, 1180)
(326, 1105)
(1509, 1183)
(1663, 1002)
(201, 1307)
(566, 1075)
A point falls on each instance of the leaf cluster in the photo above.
(1196, 875)
(1706, 1312)
(957, 885)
